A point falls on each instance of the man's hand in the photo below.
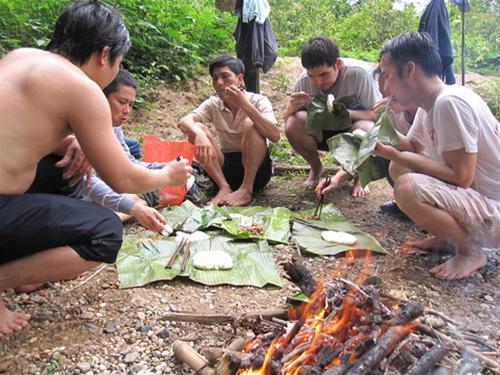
(385, 151)
(148, 217)
(75, 160)
(204, 151)
(178, 172)
(298, 100)
(233, 96)
(379, 106)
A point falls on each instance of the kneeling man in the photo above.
(243, 121)
(447, 171)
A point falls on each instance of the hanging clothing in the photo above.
(255, 45)
(436, 22)
(258, 9)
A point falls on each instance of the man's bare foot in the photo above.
(313, 178)
(28, 288)
(240, 197)
(219, 198)
(460, 266)
(11, 322)
(434, 243)
(358, 191)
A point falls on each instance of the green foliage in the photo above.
(170, 38)
(482, 50)
(358, 26)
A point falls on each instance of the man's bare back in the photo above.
(35, 108)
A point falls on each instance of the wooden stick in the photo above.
(385, 345)
(184, 353)
(94, 274)
(441, 315)
(488, 362)
(187, 251)
(178, 248)
(427, 362)
(219, 318)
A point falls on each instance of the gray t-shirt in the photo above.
(354, 78)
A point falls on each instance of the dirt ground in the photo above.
(91, 326)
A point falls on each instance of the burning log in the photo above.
(409, 312)
(384, 347)
(301, 277)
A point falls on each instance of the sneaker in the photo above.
(392, 208)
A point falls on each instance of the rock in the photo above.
(488, 298)
(84, 367)
(131, 357)
(87, 315)
(110, 327)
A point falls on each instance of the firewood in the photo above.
(301, 277)
(374, 356)
(219, 318)
(407, 313)
(427, 362)
(184, 353)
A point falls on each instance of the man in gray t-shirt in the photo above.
(326, 73)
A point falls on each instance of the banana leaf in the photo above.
(275, 223)
(189, 218)
(142, 261)
(354, 155)
(309, 239)
(307, 233)
(319, 117)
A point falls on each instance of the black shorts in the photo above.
(35, 221)
(323, 146)
(233, 171)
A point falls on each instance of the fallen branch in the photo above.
(94, 274)
(427, 362)
(218, 318)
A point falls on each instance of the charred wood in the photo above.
(430, 359)
(407, 313)
(384, 347)
(301, 277)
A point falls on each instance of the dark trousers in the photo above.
(42, 219)
(233, 171)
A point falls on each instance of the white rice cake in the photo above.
(191, 237)
(339, 237)
(212, 260)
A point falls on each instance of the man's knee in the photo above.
(105, 239)
(397, 170)
(404, 193)
(295, 124)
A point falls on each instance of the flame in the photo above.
(317, 327)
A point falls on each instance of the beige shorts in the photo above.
(473, 211)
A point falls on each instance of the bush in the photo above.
(169, 37)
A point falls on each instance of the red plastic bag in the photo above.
(156, 149)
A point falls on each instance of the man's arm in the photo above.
(458, 168)
(93, 130)
(362, 114)
(298, 100)
(74, 159)
(196, 134)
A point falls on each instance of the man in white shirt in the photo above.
(447, 171)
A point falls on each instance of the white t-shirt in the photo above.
(460, 119)
(354, 79)
(229, 128)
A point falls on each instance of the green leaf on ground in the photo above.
(142, 261)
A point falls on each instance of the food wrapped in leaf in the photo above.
(354, 154)
(328, 114)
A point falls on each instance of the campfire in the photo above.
(345, 328)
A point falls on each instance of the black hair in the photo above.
(123, 78)
(414, 46)
(234, 64)
(319, 51)
(86, 27)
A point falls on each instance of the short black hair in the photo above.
(123, 78)
(86, 27)
(414, 46)
(234, 64)
(318, 51)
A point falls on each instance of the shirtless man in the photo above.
(326, 73)
(244, 121)
(447, 171)
(44, 97)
